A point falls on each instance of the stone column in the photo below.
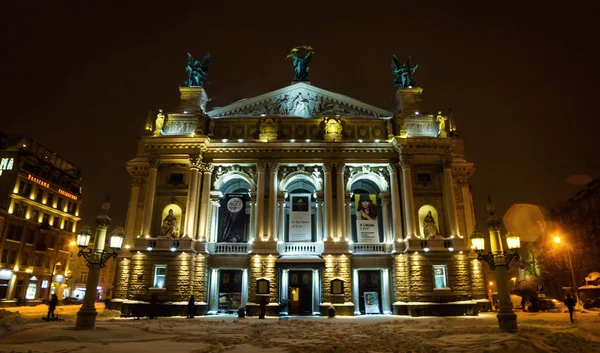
(214, 220)
(340, 197)
(316, 292)
(319, 210)
(134, 196)
(190, 208)
(468, 207)
(260, 201)
(150, 193)
(385, 291)
(213, 294)
(244, 299)
(407, 191)
(285, 275)
(349, 216)
(396, 219)
(281, 236)
(252, 216)
(355, 292)
(207, 169)
(327, 167)
(272, 233)
(449, 199)
(385, 205)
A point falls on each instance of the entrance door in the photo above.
(230, 290)
(300, 292)
(369, 291)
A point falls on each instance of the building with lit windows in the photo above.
(40, 197)
(305, 197)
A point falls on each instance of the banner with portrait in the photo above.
(300, 228)
(372, 303)
(367, 227)
(234, 219)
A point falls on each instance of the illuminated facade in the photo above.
(40, 196)
(306, 197)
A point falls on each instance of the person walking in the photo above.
(52, 306)
(263, 307)
(191, 309)
(570, 303)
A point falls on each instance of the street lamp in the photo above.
(498, 259)
(96, 258)
(557, 241)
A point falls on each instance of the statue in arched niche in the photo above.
(430, 229)
(169, 226)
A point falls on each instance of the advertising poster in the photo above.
(367, 227)
(234, 221)
(371, 303)
(300, 224)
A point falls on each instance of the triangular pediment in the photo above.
(299, 100)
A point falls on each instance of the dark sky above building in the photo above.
(521, 77)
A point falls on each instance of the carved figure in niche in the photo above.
(268, 129)
(441, 120)
(160, 120)
(429, 228)
(366, 209)
(300, 58)
(390, 129)
(169, 225)
(333, 129)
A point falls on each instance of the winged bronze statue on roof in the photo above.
(197, 72)
(403, 72)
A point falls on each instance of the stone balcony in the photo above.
(371, 248)
(294, 248)
(229, 248)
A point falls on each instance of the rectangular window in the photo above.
(160, 272)
(22, 187)
(175, 179)
(49, 199)
(439, 274)
(59, 203)
(40, 194)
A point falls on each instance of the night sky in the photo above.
(521, 78)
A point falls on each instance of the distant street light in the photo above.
(557, 240)
(498, 259)
(96, 258)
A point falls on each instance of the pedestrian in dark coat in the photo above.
(153, 306)
(52, 306)
(263, 307)
(570, 303)
(191, 308)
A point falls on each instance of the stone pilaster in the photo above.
(206, 169)
(134, 195)
(409, 203)
(190, 210)
(449, 199)
(272, 229)
(469, 211)
(328, 208)
(281, 201)
(340, 202)
(150, 193)
(396, 218)
(260, 201)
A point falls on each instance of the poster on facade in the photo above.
(367, 228)
(371, 303)
(300, 224)
(234, 220)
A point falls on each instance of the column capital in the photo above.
(446, 163)
(327, 167)
(154, 162)
(274, 166)
(340, 167)
(463, 182)
(260, 166)
(405, 162)
(195, 160)
(392, 168)
(206, 167)
(136, 182)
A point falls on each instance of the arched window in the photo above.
(234, 213)
(366, 212)
(171, 221)
(300, 211)
(429, 224)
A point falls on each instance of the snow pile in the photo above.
(9, 321)
(110, 313)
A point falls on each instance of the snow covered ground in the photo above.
(22, 330)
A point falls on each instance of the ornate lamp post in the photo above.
(498, 259)
(557, 240)
(96, 258)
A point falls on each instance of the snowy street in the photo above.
(539, 332)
